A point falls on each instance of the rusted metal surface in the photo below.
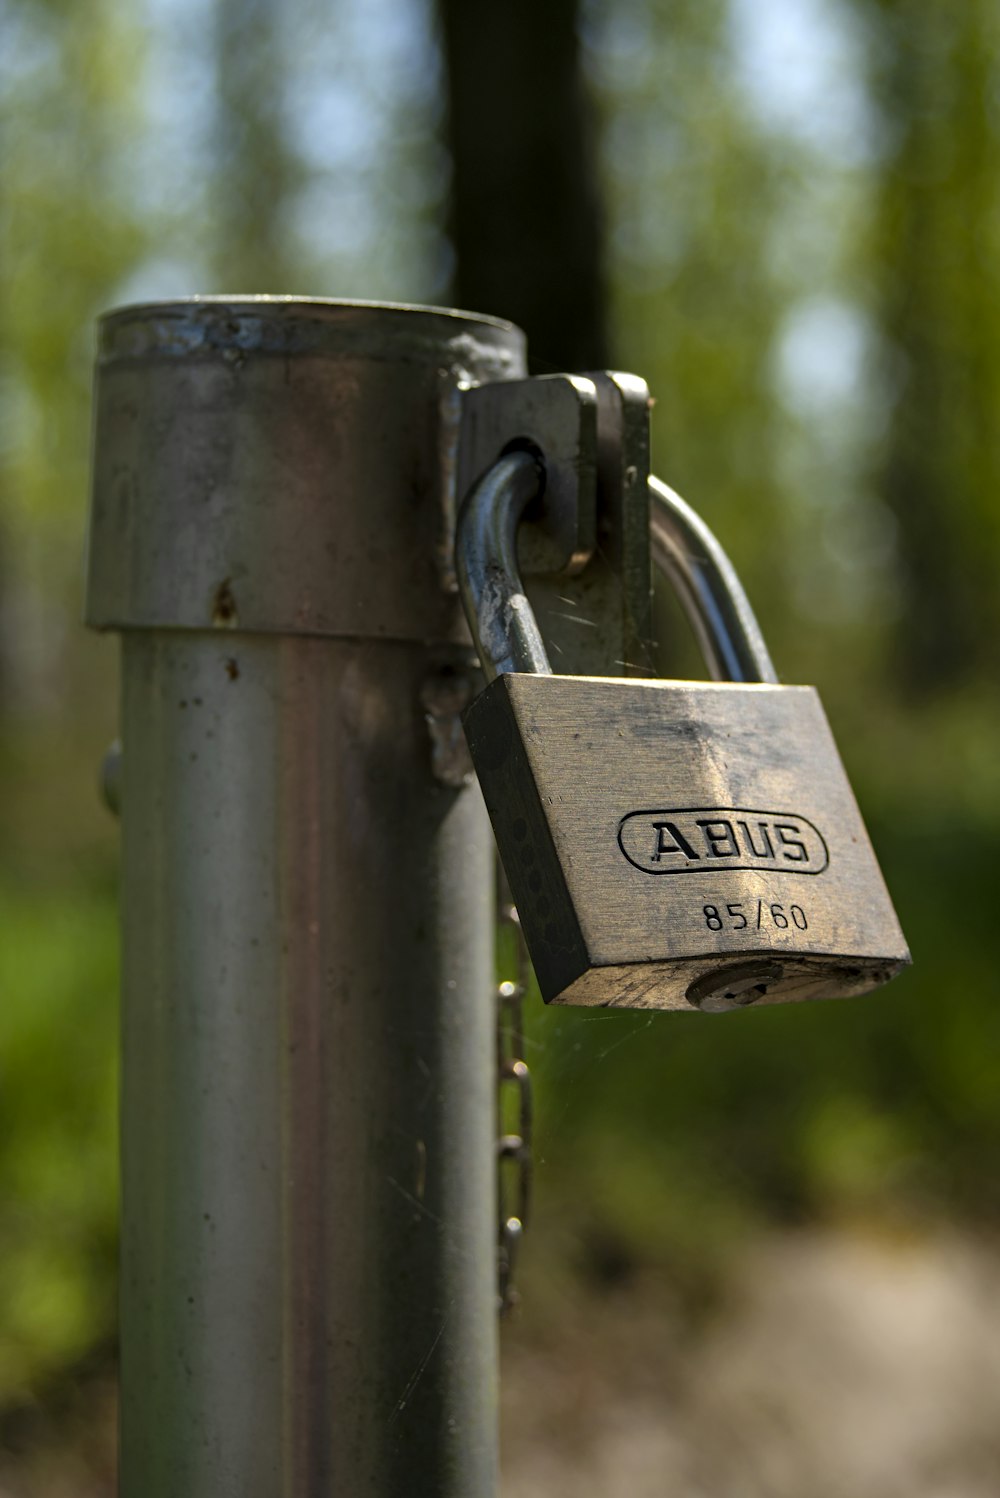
(282, 466)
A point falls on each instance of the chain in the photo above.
(513, 1150)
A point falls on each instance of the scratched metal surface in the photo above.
(308, 1255)
(657, 832)
(308, 1287)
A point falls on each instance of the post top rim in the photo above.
(233, 327)
(260, 305)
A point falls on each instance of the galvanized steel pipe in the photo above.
(308, 1273)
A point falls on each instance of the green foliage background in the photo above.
(803, 227)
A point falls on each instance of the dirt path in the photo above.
(835, 1366)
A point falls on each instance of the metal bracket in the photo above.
(555, 416)
(623, 468)
(583, 549)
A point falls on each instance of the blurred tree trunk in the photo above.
(525, 210)
(938, 268)
(256, 172)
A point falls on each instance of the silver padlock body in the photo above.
(677, 844)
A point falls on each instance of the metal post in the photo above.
(308, 1237)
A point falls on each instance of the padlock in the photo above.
(669, 844)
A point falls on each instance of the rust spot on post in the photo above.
(224, 615)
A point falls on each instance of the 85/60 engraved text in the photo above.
(759, 914)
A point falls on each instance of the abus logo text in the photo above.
(684, 840)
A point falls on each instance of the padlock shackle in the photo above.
(717, 608)
(504, 630)
(503, 625)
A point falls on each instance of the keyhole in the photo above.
(733, 987)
